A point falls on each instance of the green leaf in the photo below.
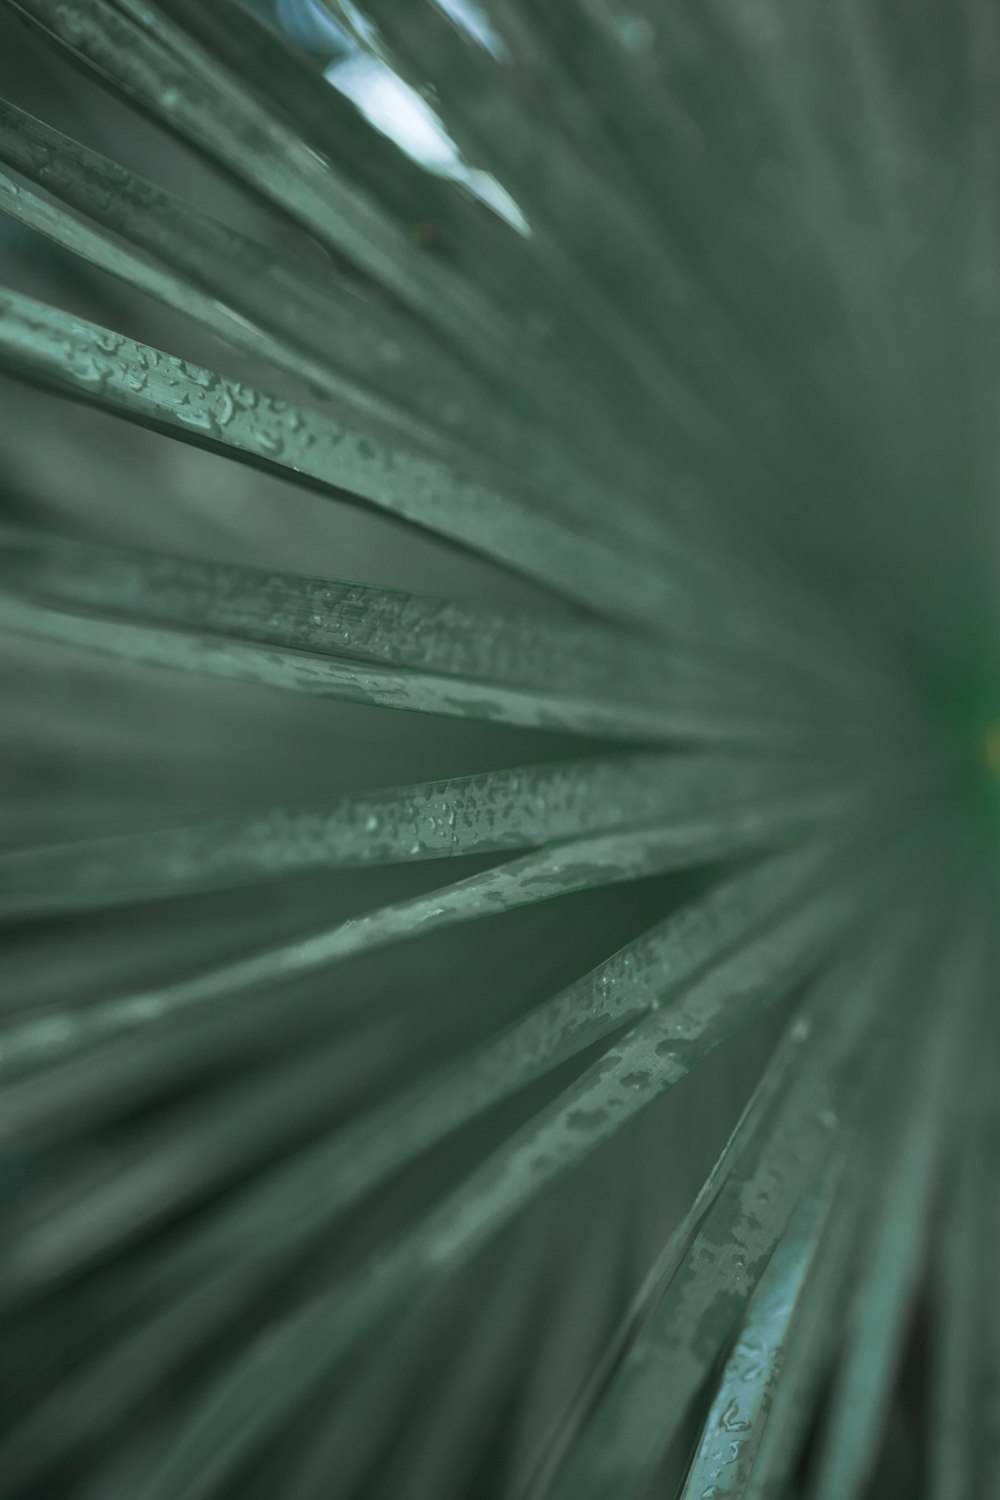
(657, 1052)
(699, 964)
(199, 406)
(964, 1437)
(716, 1261)
(145, 385)
(163, 69)
(446, 1446)
(697, 694)
(892, 1258)
(489, 110)
(145, 59)
(594, 678)
(740, 1407)
(300, 1197)
(487, 813)
(720, 388)
(135, 1039)
(813, 1337)
(163, 1170)
(315, 326)
(529, 805)
(257, 50)
(372, 685)
(349, 1440)
(336, 618)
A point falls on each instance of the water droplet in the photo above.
(271, 443)
(637, 1080)
(197, 416)
(731, 1421)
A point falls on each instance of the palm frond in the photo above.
(627, 425)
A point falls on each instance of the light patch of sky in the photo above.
(400, 113)
(310, 25)
(473, 19)
(392, 106)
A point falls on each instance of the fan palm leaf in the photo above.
(629, 427)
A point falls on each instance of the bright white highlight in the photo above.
(401, 114)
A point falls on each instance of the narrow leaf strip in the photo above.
(575, 658)
(812, 1339)
(336, 618)
(525, 807)
(373, 685)
(741, 1404)
(145, 385)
